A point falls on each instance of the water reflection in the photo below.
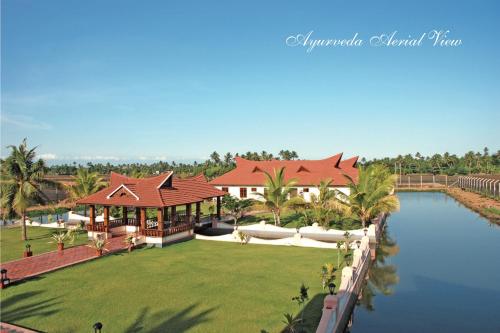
(383, 276)
(448, 271)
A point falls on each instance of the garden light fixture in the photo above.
(331, 287)
(97, 327)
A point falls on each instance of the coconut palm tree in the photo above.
(372, 194)
(276, 194)
(86, 183)
(21, 181)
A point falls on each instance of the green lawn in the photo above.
(195, 286)
(12, 247)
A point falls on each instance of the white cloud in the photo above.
(23, 121)
(47, 156)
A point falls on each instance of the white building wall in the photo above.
(235, 191)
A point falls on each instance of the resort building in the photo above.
(248, 178)
(157, 197)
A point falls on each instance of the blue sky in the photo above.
(91, 80)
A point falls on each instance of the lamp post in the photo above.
(97, 327)
(4, 280)
(331, 287)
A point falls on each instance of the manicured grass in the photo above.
(195, 286)
(12, 247)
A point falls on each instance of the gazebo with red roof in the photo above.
(164, 193)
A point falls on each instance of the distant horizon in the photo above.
(84, 161)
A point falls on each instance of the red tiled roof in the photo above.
(306, 172)
(152, 191)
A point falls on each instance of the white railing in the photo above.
(338, 307)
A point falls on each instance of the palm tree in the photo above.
(291, 323)
(86, 183)
(215, 157)
(325, 207)
(276, 194)
(21, 181)
(372, 194)
(228, 158)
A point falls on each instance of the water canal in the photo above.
(438, 270)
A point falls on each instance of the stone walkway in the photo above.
(50, 261)
(9, 328)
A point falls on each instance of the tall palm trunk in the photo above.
(278, 218)
(23, 226)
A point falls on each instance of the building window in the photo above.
(243, 192)
(293, 193)
(265, 191)
(254, 189)
(225, 189)
(305, 190)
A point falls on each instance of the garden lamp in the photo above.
(365, 230)
(358, 242)
(97, 327)
(4, 280)
(331, 287)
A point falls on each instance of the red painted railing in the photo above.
(168, 231)
(100, 227)
(132, 221)
(116, 223)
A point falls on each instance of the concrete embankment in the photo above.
(337, 308)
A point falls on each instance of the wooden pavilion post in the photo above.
(188, 213)
(92, 215)
(198, 212)
(173, 212)
(218, 207)
(137, 216)
(159, 214)
(165, 213)
(124, 215)
(106, 218)
(143, 218)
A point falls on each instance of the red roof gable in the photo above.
(153, 191)
(306, 172)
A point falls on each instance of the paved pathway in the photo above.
(10, 328)
(50, 261)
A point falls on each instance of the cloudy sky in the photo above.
(113, 80)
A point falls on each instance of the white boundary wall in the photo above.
(235, 191)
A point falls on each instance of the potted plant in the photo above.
(242, 237)
(130, 241)
(60, 237)
(98, 244)
(27, 251)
